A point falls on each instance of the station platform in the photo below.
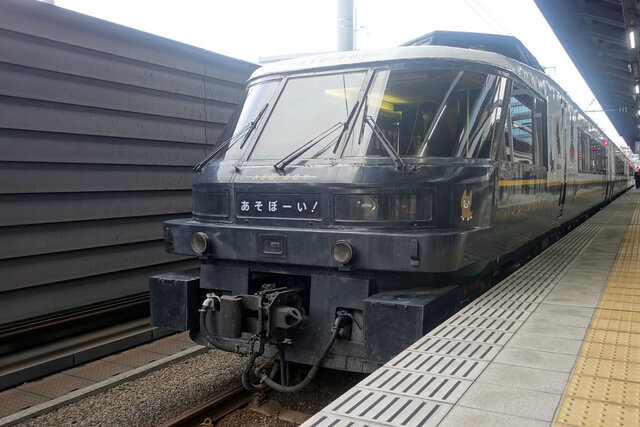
(556, 343)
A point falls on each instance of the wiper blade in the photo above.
(400, 164)
(346, 126)
(254, 123)
(310, 144)
(300, 151)
(230, 142)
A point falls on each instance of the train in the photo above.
(357, 199)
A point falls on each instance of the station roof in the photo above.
(597, 36)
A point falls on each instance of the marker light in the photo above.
(632, 39)
(199, 242)
(342, 251)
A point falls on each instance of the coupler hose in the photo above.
(213, 340)
(340, 322)
(246, 382)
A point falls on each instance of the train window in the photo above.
(540, 131)
(584, 154)
(505, 154)
(598, 154)
(431, 113)
(521, 108)
(619, 162)
(309, 109)
(257, 96)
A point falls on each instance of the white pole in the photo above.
(345, 25)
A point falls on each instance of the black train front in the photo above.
(357, 199)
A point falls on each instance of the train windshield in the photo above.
(431, 113)
(419, 112)
(311, 108)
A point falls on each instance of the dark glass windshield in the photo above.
(307, 108)
(258, 95)
(432, 113)
(422, 112)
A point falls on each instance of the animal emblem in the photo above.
(465, 204)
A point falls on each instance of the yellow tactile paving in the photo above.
(604, 389)
(598, 350)
(620, 298)
(616, 369)
(624, 306)
(584, 412)
(616, 325)
(622, 291)
(613, 337)
(627, 316)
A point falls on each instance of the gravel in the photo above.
(165, 394)
(154, 398)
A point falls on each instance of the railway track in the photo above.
(38, 347)
(219, 407)
(212, 410)
(240, 407)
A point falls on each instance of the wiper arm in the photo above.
(346, 126)
(310, 144)
(230, 142)
(400, 164)
(254, 123)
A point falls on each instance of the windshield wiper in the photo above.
(230, 142)
(346, 126)
(400, 164)
(314, 141)
(310, 144)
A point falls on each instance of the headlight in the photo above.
(383, 207)
(405, 207)
(199, 242)
(208, 204)
(357, 207)
(342, 251)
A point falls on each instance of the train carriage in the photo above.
(359, 198)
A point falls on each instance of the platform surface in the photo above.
(556, 343)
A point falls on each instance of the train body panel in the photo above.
(365, 189)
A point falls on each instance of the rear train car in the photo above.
(360, 198)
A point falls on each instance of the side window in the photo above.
(506, 139)
(527, 127)
(521, 107)
(583, 152)
(598, 155)
(540, 132)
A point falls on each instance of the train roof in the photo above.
(508, 46)
(532, 76)
(377, 56)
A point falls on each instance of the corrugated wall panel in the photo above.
(40, 239)
(64, 177)
(22, 209)
(19, 273)
(54, 297)
(100, 126)
(28, 146)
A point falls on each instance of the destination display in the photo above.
(292, 206)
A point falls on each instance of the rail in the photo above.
(212, 410)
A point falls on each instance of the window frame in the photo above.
(539, 135)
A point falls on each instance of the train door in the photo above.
(528, 145)
(522, 158)
(611, 169)
(561, 135)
